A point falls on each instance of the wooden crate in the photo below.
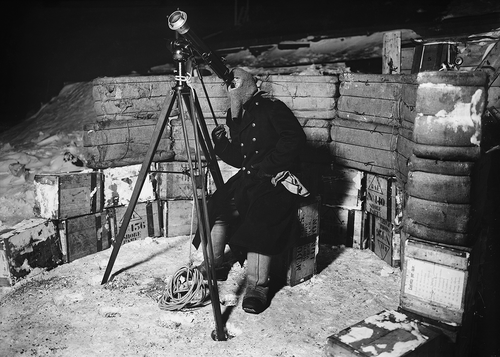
(178, 217)
(298, 262)
(384, 198)
(173, 180)
(32, 243)
(60, 196)
(84, 235)
(145, 221)
(342, 226)
(119, 183)
(388, 333)
(385, 239)
(342, 186)
(434, 280)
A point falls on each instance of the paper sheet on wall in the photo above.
(434, 283)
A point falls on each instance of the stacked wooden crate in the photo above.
(341, 192)
(383, 211)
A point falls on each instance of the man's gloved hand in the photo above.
(219, 134)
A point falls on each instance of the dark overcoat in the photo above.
(265, 141)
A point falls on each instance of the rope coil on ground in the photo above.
(185, 289)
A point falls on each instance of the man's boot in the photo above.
(258, 267)
(219, 240)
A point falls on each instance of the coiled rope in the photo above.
(185, 289)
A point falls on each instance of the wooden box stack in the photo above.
(384, 209)
(298, 263)
(341, 209)
(74, 202)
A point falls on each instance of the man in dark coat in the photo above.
(254, 213)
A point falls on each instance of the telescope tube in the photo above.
(177, 21)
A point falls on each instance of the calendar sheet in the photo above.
(434, 283)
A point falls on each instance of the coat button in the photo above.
(254, 139)
(248, 172)
(256, 151)
(253, 124)
(244, 156)
(242, 144)
(243, 168)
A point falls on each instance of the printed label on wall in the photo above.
(434, 283)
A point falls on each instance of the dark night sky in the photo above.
(48, 43)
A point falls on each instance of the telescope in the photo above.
(177, 21)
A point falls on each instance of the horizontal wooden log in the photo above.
(362, 158)
(301, 86)
(122, 131)
(115, 88)
(364, 134)
(117, 155)
(369, 106)
(439, 188)
(380, 90)
(451, 217)
(421, 231)
(456, 168)
(370, 119)
(457, 153)
(378, 78)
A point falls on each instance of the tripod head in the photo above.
(191, 43)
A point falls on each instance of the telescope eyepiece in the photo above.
(177, 21)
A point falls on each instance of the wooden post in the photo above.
(391, 53)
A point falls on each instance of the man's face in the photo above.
(236, 83)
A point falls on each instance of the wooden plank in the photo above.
(391, 52)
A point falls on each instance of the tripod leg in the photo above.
(205, 143)
(202, 215)
(160, 127)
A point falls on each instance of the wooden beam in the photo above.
(391, 53)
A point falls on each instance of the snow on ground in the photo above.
(50, 141)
